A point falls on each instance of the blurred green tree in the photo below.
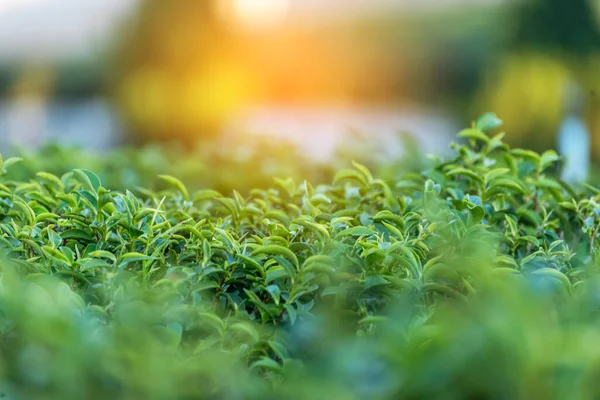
(552, 43)
(568, 26)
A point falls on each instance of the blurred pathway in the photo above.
(318, 132)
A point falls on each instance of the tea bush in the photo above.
(240, 162)
(220, 163)
(475, 278)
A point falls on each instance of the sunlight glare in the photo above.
(256, 14)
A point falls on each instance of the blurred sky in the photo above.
(42, 29)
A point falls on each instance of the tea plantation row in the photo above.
(476, 278)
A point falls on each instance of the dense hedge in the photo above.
(476, 278)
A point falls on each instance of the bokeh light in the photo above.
(260, 14)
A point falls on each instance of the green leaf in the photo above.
(291, 312)
(277, 272)
(94, 180)
(495, 173)
(77, 234)
(488, 121)
(549, 157)
(275, 293)
(10, 162)
(206, 195)
(465, 172)
(177, 184)
(55, 255)
(387, 215)
(266, 363)
(432, 262)
(474, 134)
(568, 206)
(212, 320)
(528, 155)
(206, 252)
(253, 298)
(279, 349)
(316, 228)
(506, 260)
(554, 274)
(103, 254)
(43, 217)
(68, 253)
(512, 226)
(356, 231)
(92, 265)
(363, 170)
(547, 183)
(373, 281)
(50, 178)
(247, 329)
(441, 289)
(406, 257)
(207, 285)
(133, 257)
(351, 175)
(277, 250)
(86, 182)
(506, 183)
(250, 262)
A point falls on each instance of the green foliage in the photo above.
(475, 278)
(557, 25)
(240, 163)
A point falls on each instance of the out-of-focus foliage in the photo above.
(224, 164)
(475, 278)
(554, 44)
(68, 80)
(532, 88)
(236, 162)
(569, 26)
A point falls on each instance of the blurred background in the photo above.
(276, 84)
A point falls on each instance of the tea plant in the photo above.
(475, 278)
(220, 163)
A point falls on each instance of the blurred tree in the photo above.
(553, 42)
(568, 26)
